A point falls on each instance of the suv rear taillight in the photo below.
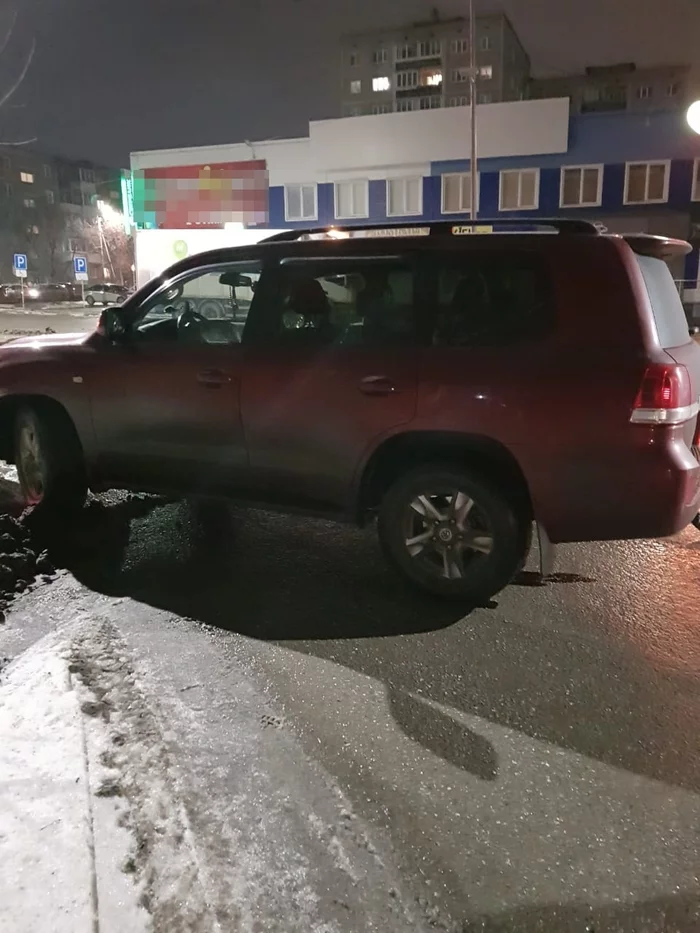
(665, 396)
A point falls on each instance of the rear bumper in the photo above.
(653, 494)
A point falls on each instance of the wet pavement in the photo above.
(531, 765)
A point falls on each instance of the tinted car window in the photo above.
(344, 301)
(666, 304)
(492, 299)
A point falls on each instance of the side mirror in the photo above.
(112, 324)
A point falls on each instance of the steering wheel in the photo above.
(189, 317)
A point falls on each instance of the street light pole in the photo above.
(472, 109)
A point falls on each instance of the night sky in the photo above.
(112, 76)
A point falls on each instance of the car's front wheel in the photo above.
(452, 534)
(49, 459)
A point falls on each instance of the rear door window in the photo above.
(492, 299)
(665, 299)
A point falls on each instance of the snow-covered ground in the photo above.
(61, 319)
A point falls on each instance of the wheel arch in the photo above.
(488, 458)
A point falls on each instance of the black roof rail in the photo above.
(446, 227)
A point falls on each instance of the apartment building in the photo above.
(425, 66)
(621, 88)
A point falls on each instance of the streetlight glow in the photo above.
(693, 117)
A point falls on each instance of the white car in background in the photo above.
(105, 294)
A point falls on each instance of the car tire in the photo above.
(446, 546)
(89, 301)
(696, 521)
(49, 460)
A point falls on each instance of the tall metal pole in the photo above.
(474, 161)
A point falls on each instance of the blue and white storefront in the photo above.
(633, 173)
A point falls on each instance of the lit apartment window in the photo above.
(644, 92)
(460, 75)
(485, 44)
(404, 196)
(382, 83)
(646, 182)
(26, 177)
(300, 202)
(457, 193)
(33, 230)
(519, 189)
(355, 87)
(430, 48)
(430, 77)
(351, 199)
(50, 198)
(581, 186)
(380, 56)
(696, 181)
(29, 202)
(486, 71)
(406, 79)
(460, 46)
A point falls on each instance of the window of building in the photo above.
(458, 102)
(5, 165)
(404, 196)
(351, 199)
(47, 171)
(381, 108)
(581, 186)
(492, 299)
(341, 302)
(696, 180)
(406, 104)
(380, 56)
(645, 92)
(26, 177)
(50, 197)
(300, 202)
(382, 83)
(8, 189)
(405, 52)
(29, 202)
(646, 182)
(87, 175)
(673, 89)
(460, 75)
(485, 98)
(460, 46)
(485, 43)
(457, 193)
(33, 230)
(356, 87)
(353, 59)
(430, 103)
(486, 72)
(519, 189)
(406, 79)
(429, 48)
(430, 77)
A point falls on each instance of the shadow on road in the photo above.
(324, 590)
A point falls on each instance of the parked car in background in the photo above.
(47, 293)
(105, 294)
(458, 388)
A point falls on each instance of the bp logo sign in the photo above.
(180, 249)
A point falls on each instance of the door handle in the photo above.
(377, 385)
(214, 378)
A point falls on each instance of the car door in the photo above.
(331, 371)
(166, 397)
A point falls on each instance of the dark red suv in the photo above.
(458, 387)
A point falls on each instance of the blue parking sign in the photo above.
(20, 262)
(80, 268)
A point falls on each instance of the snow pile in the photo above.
(20, 560)
(57, 848)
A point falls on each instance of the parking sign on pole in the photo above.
(80, 268)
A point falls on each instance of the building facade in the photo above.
(49, 211)
(621, 88)
(630, 172)
(425, 66)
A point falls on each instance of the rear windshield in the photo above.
(671, 322)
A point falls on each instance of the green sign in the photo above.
(180, 249)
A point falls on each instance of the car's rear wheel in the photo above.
(452, 534)
(89, 300)
(49, 460)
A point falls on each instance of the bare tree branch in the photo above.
(20, 142)
(8, 34)
(23, 74)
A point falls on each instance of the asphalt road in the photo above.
(533, 765)
(61, 319)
